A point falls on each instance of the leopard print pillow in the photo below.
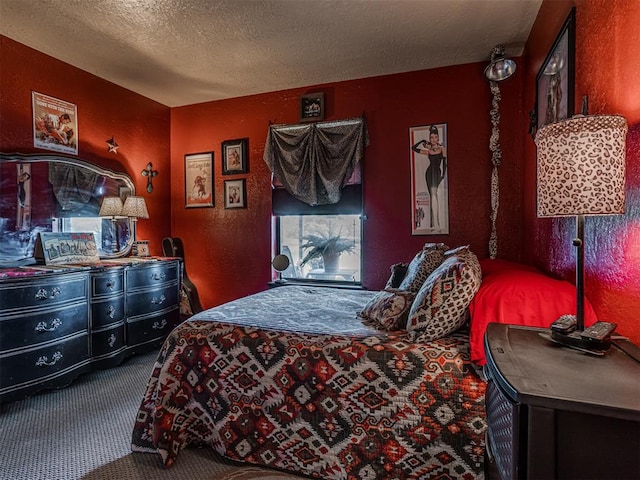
(387, 310)
(425, 262)
(442, 305)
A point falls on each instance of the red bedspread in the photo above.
(357, 404)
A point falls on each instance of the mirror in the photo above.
(55, 193)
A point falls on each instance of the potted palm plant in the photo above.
(327, 246)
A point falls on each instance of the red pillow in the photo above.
(520, 295)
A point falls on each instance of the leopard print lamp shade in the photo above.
(581, 166)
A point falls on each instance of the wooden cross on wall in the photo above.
(149, 173)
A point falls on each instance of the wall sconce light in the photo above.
(499, 69)
(111, 207)
(135, 208)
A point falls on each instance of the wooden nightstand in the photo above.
(553, 412)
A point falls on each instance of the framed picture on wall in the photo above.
(198, 180)
(234, 156)
(55, 124)
(555, 80)
(429, 180)
(311, 107)
(235, 193)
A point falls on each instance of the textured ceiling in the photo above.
(180, 52)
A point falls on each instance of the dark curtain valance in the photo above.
(314, 161)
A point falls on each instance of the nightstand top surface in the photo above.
(536, 371)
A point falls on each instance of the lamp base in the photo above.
(140, 248)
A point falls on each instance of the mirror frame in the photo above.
(122, 177)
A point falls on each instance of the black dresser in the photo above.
(59, 322)
(556, 413)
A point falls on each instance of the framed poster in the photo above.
(198, 180)
(234, 156)
(235, 193)
(55, 124)
(429, 180)
(311, 107)
(555, 79)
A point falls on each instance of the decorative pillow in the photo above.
(441, 305)
(519, 294)
(398, 272)
(425, 262)
(387, 310)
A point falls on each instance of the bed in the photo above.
(292, 378)
(333, 383)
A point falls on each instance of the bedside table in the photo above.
(554, 412)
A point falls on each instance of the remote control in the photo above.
(564, 325)
(599, 332)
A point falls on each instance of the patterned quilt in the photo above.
(290, 378)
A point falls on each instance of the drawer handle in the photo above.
(158, 301)
(110, 284)
(159, 325)
(44, 361)
(111, 311)
(112, 340)
(158, 276)
(42, 326)
(43, 294)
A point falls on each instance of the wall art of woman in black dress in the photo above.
(435, 173)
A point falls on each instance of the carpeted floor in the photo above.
(83, 431)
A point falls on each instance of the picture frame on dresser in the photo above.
(198, 180)
(555, 81)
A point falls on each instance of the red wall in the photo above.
(608, 71)
(228, 252)
(139, 125)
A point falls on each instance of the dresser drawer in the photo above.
(23, 330)
(107, 283)
(152, 328)
(107, 311)
(39, 363)
(152, 275)
(107, 341)
(150, 301)
(43, 293)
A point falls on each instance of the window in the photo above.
(326, 248)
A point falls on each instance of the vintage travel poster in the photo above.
(429, 180)
(55, 124)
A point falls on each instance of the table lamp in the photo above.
(581, 171)
(111, 207)
(135, 208)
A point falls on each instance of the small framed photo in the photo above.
(235, 193)
(198, 180)
(234, 156)
(312, 107)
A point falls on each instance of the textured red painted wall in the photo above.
(139, 125)
(228, 252)
(607, 70)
